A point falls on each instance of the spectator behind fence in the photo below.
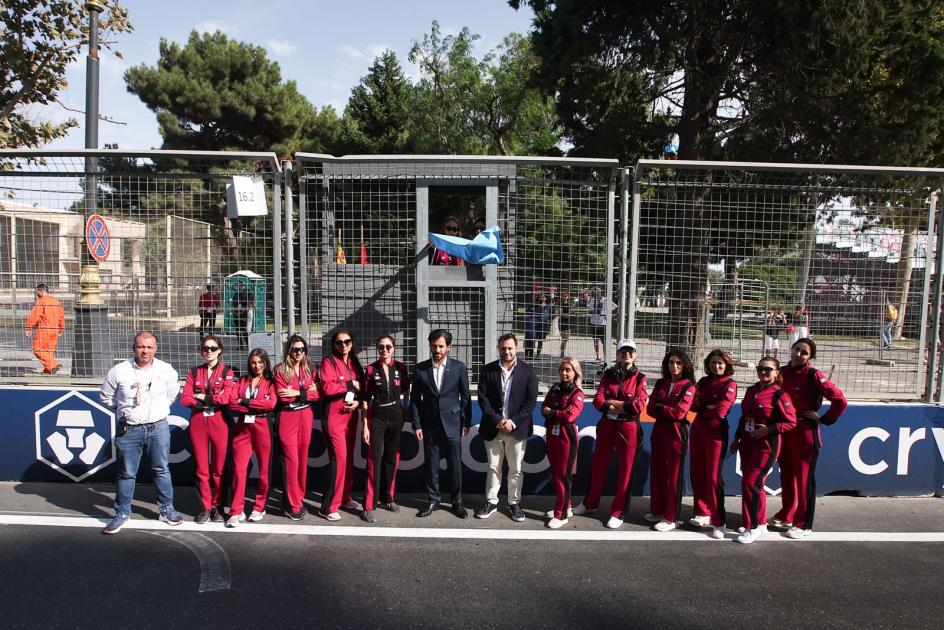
(600, 309)
(252, 404)
(798, 325)
(207, 306)
(141, 390)
(891, 316)
(563, 322)
(207, 392)
(243, 311)
(536, 326)
(776, 320)
(450, 227)
(48, 320)
(508, 393)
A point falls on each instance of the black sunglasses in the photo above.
(451, 228)
(381, 346)
(765, 370)
(210, 348)
(343, 342)
(479, 228)
(298, 349)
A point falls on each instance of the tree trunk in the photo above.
(228, 241)
(905, 266)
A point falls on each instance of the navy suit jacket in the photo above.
(449, 407)
(521, 400)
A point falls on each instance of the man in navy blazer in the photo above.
(441, 410)
(508, 393)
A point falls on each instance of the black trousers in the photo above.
(386, 427)
(437, 445)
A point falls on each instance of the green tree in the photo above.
(376, 119)
(38, 40)
(784, 80)
(216, 94)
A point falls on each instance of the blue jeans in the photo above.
(887, 334)
(156, 438)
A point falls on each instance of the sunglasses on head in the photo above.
(343, 342)
(384, 346)
(298, 349)
(765, 369)
(452, 228)
(210, 348)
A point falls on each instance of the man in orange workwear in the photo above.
(48, 318)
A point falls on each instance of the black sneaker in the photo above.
(516, 514)
(367, 516)
(296, 516)
(486, 510)
(202, 517)
(215, 515)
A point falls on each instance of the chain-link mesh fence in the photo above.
(169, 237)
(364, 266)
(750, 257)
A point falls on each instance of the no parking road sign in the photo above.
(97, 237)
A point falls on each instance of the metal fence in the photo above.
(169, 238)
(704, 255)
(727, 255)
(364, 262)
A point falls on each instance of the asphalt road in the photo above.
(428, 574)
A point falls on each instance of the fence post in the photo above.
(634, 258)
(624, 246)
(277, 261)
(935, 220)
(289, 248)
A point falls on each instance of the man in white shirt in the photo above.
(508, 392)
(141, 391)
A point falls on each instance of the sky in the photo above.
(325, 47)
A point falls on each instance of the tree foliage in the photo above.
(38, 40)
(376, 118)
(218, 94)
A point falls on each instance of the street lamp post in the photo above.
(91, 351)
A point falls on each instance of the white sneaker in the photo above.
(235, 519)
(550, 513)
(776, 522)
(741, 530)
(718, 533)
(796, 533)
(351, 505)
(653, 518)
(614, 523)
(760, 531)
(256, 516)
(556, 523)
(582, 509)
(700, 521)
(747, 537)
(665, 526)
(333, 516)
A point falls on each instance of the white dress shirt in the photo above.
(141, 395)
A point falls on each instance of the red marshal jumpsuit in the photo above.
(709, 443)
(293, 423)
(255, 404)
(668, 406)
(209, 428)
(340, 430)
(562, 441)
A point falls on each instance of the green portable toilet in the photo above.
(255, 284)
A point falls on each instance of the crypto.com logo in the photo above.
(75, 436)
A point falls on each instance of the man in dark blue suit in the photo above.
(508, 392)
(441, 410)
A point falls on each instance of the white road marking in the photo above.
(470, 534)
(215, 574)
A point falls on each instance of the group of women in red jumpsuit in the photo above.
(779, 422)
(267, 404)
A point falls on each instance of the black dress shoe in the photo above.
(426, 511)
(459, 511)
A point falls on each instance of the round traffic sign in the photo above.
(97, 237)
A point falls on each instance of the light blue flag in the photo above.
(484, 249)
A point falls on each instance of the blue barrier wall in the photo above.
(65, 435)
